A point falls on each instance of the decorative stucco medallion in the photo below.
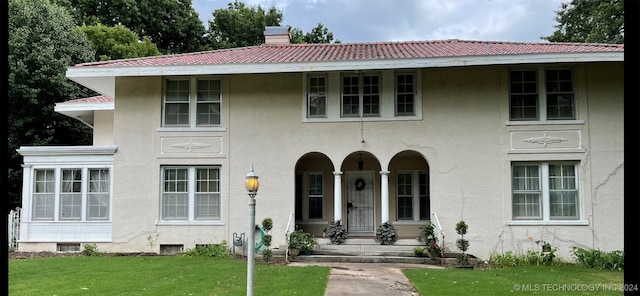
(545, 140)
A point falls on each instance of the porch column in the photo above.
(337, 196)
(384, 191)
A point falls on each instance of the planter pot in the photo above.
(293, 253)
(465, 266)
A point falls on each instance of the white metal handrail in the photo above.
(287, 233)
(437, 228)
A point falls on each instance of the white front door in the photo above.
(360, 202)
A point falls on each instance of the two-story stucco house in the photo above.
(519, 140)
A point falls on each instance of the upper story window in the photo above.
(527, 103)
(192, 102)
(190, 193)
(383, 95)
(83, 194)
(317, 96)
(405, 94)
(360, 95)
(545, 191)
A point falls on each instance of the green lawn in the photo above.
(176, 275)
(159, 275)
(523, 280)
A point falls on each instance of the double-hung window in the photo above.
(361, 95)
(316, 193)
(405, 94)
(71, 194)
(192, 102)
(317, 96)
(553, 99)
(309, 191)
(412, 189)
(82, 194)
(545, 191)
(190, 193)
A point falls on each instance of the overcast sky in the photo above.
(406, 20)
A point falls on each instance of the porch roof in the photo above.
(83, 109)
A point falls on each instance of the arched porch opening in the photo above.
(361, 193)
(314, 188)
(409, 192)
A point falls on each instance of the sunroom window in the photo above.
(83, 194)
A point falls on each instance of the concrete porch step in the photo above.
(367, 250)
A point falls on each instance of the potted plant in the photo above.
(337, 234)
(463, 245)
(430, 240)
(386, 234)
(301, 241)
(418, 251)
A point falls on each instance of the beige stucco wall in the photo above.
(103, 127)
(464, 137)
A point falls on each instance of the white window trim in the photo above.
(308, 93)
(543, 167)
(57, 171)
(415, 188)
(193, 104)
(387, 98)
(191, 194)
(305, 199)
(542, 97)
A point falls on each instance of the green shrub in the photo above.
(302, 241)
(595, 258)
(90, 250)
(337, 234)
(266, 255)
(213, 250)
(430, 240)
(386, 234)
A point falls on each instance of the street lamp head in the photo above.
(251, 182)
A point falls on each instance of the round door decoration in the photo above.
(360, 184)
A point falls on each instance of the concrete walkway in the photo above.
(367, 278)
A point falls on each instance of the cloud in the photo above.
(403, 20)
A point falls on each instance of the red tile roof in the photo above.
(301, 53)
(96, 99)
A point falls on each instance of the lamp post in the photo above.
(251, 184)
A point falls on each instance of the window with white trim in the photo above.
(192, 102)
(412, 195)
(316, 195)
(317, 96)
(82, 194)
(361, 95)
(545, 191)
(526, 103)
(309, 195)
(405, 94)
(190, 193)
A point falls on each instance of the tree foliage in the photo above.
(319, 34)
(173, 25)
(589, 21)
(240, 25)
(117, 42)
(42, 44)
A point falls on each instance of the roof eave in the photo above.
(102, 79)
